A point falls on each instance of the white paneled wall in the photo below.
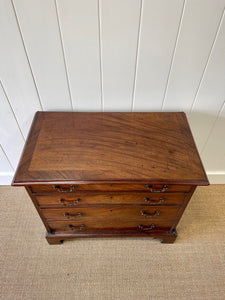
(158, 34)
(119, 39)
(38, 24)
(112, 55)
(198, 28)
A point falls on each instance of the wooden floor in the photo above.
(191, 268)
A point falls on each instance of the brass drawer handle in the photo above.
(62, 201)
(161, 200)
(69, 190)
(81, 227)
(147, 215)
(146, 228)
(72, 217)
(164, 188)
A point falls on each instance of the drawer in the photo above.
(104, 224)
(155, 188)
(112, 212)
(83, 198)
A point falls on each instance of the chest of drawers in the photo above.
(110, 174)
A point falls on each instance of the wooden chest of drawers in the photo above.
(110, 174)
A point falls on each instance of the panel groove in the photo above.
(137, 54)
(7, 98)
(63, 54)
(7, 158)
(213, 126)
(173, 56)
(100, 53)
(79, 24)
(207, 62)
(26, 54)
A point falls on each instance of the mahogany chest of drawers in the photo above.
(110, 174)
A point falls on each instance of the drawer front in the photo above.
(104, 224)
(76, 199)
(112, 212)
(155, 188)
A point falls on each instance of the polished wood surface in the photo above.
(110, 225)
(161, 233)
(112, 212)
(122, 198)
(65, 147)
(110, 174)
(64, 189)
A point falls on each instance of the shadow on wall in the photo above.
(209, 133)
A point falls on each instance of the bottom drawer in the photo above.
(116, 224)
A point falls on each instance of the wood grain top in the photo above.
(83, 147)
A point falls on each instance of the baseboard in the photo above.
(214, 178)
(6, 178)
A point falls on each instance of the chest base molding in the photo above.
(167, 237)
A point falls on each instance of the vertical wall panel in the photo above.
(5, 165)
(80, 34)
(198, 29)
(14, 69)
(10, 136)
(6, 171)
(119, 31)
(211, 93)
(214, 152)
(38, 23)
(160, 23)
(94, 55)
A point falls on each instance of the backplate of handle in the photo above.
(69, 204)
(161, 200)
(76, 228)
(147, 215)
(164, 188)
(67, 190)
(146, 228)
(78, 215)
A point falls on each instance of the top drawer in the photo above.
(152, 188)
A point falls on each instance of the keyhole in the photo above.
(111, 210)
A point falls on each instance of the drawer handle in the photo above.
(72, 217)
(81, 227)
(147, 215)
(164, 188)
(69, 190)
(69, 204)
(146, 228)
(161, 200)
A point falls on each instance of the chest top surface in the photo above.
(101, 147)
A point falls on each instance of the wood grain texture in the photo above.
(111, 212)
(133, 198)
(164, 236)
(152, 147)
(108, 224)
(119, 165)
(64, 189)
